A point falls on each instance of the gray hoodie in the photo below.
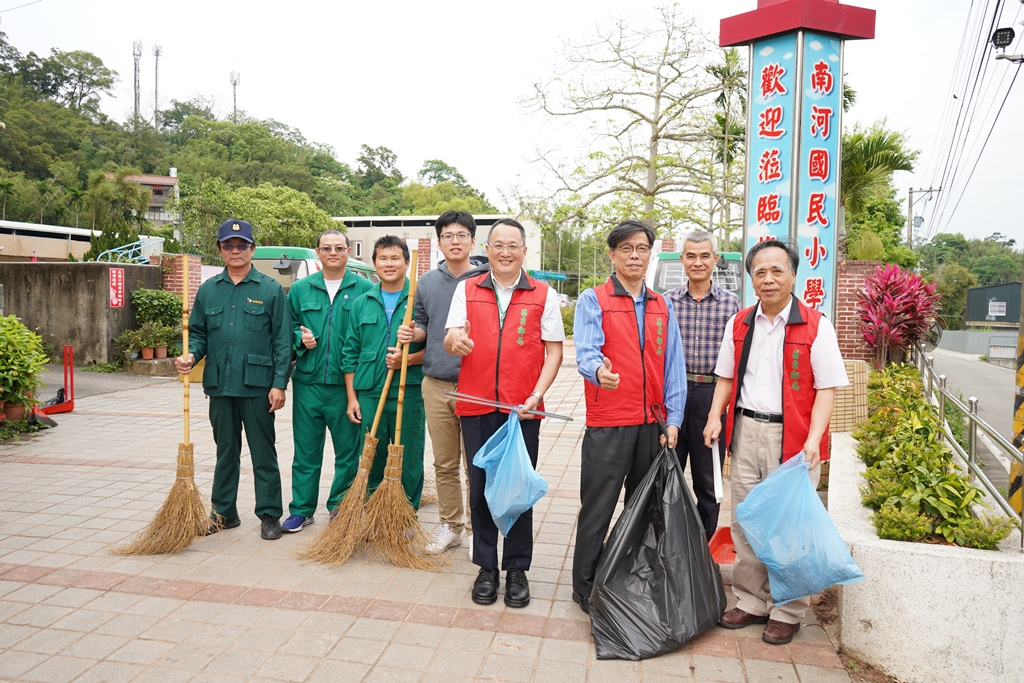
(434, 294)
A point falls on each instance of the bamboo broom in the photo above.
(335, 543)
(184, 515)
(393, 529)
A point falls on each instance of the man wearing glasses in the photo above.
(456, 233)
(507, 328)
(629, 350)
(241, 325)
(320, 306)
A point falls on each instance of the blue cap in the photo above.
(235, 228)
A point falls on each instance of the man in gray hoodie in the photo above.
(456, 233)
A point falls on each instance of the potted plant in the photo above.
(22, 358)
(152, 335)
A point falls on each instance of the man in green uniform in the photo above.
(320, 307)
(241, 325)
(370, 350)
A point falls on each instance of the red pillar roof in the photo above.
(781, 16)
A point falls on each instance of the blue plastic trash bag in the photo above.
(790, 531)
(513, 486)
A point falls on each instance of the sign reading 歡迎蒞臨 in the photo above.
(771, 147)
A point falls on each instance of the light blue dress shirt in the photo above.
(588, 336)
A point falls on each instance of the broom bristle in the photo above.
(335, 543)
(394, 533)
(183, 516)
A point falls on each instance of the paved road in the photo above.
(993, 386)
(94, 383)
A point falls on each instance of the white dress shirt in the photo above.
(551, 328)
(762, 383)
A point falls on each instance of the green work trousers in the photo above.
(413, 433)
(228, 414)
(315, 408)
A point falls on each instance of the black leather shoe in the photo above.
(271, 528)
(485, 588)
(214, 527)
(582, 601)
(517, 588)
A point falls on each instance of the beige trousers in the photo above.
(756, 450)
(449, 454)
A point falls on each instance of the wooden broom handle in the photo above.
(185, 310)
(405, 349)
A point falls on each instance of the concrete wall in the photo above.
(69, 303)
(925, 612)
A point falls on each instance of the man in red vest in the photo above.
(779, 367)
(508, 329)
(628, 348)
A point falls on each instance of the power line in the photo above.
(1000, 111)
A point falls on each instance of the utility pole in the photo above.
(137, 51)
(157, 51)
(1016, 473)
(910, 211)
(236, 78)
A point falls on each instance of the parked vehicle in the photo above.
(288, 264)
(666, 272)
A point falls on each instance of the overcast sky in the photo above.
(441, 80)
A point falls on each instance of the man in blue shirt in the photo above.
(629, 350)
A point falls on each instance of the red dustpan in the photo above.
(721, 547)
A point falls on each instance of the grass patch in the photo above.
(11, 430)
(102, 367)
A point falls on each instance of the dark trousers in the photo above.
(518, 550)
(691, 443)
(228, 414)
(610, 456)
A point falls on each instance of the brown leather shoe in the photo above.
(779, 632)
(737, 618)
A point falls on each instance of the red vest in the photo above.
(641, 371)
(797, 376)
(507, 357)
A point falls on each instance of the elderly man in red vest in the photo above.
(779, 367)
(508, 329)
(629, 350)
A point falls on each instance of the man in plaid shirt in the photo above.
(702, 310)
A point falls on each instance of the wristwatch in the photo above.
(540, 397)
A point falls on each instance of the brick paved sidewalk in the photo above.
(235, 608)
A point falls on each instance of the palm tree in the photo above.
(6, 189)
(870, 157)
(731, 82)
(76, 197)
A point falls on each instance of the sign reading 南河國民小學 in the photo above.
(794, 130)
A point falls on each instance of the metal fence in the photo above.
(936, 392)
(1002, 347)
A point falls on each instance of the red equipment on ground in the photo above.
(68, 404)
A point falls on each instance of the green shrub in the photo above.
(879, 491)
(568, 316)
(984, 533)
(900, 524)
(22, 358)
(156, 306)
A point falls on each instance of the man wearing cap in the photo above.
(240, 323)
(320, 306)
(702, 310)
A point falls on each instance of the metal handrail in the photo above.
(937, 394)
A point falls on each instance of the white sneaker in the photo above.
(443, 539)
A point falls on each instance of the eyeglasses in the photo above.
(329, 249)
(628, 249)
(455, 237)
(235, 246)
(510, 248)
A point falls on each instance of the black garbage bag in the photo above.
(656, 585)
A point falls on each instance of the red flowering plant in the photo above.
(896, 309)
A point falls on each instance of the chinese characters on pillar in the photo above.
(817, 176)
(772, 127)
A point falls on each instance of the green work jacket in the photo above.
(245, 333)
(367, 343)
(329, 322)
